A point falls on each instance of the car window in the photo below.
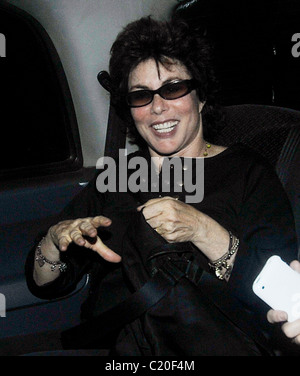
(39, 130)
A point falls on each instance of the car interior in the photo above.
(58, 121)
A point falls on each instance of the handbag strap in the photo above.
(166, 277)
(125, 312)
(234, 310)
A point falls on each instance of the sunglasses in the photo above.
(170, 91)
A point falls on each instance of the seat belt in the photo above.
(149, 295)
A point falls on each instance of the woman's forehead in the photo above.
(148, 70)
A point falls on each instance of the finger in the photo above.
(276, 316)
(88, 229)
(154, 222)
(291, 329)
(154, 208)
(105, 252)
(100, 220)
(297, 339)
(63, 242)
(156, 201)
(77, 237)
(295, 265)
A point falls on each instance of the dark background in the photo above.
(253, 48)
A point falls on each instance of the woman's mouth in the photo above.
(166, 127)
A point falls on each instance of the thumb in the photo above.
(274, 316)
(295, 265)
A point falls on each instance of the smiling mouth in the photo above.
(166, 127)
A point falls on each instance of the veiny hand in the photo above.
(83, 232)
(174, 220)
(290, 329)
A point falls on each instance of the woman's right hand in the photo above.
(83, 232)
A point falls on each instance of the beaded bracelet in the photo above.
(222, 262)
(41, 260)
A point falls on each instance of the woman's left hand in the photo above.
(290, 329)
(176, 221)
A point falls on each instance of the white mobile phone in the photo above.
(278, 285)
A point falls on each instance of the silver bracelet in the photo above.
(222, 263)
(41, 260)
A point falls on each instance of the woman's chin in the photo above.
(164, 151)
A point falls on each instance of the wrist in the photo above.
(52, 259)
(223, 266)
(49, 248)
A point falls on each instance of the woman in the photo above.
(162, 83)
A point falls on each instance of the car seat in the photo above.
(274, 132)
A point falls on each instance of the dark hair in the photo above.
(163, 41)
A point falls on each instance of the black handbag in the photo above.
(176, 308)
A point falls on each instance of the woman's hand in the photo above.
(176, 221)
(290, 329)
(83, 232)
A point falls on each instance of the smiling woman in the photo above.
(169, 127)
(176, 54)
(209, 250)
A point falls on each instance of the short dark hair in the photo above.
(163, 41)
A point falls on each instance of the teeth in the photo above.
(165, 127)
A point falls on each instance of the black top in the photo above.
(241, 192)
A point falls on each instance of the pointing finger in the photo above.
(105, 252)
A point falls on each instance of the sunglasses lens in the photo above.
(169, 91)
(139, 98)
(175, 90)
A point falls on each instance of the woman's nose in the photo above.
(159, 104)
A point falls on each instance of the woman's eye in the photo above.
(172, 88)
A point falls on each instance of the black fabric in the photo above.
(274, 133)
(241, 192)
(169, 298)
(188, 320)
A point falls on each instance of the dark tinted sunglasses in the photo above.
(170, 91)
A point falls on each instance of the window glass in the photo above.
(39, 130)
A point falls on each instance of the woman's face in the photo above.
(170, 127)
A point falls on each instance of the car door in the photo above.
(41, 169)
(55, 115)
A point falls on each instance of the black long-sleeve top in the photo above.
(241, 192)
